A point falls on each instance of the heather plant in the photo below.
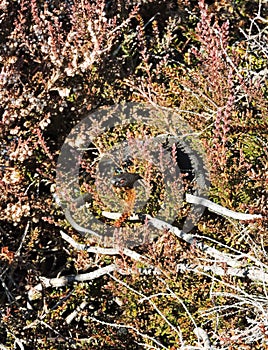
(61, 60)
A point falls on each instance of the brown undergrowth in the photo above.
(62, 60)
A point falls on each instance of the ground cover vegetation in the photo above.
(60, 60)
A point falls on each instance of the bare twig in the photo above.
(252, 273)
(74, 314)
(65, 280)
(218, 209)
(105, 251)
(202, 336)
